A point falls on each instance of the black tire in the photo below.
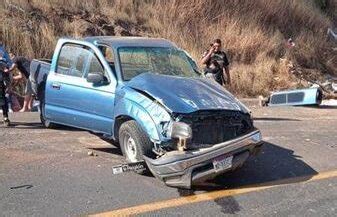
(46, 123)
(142, 144)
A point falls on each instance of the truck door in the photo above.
(73, 101)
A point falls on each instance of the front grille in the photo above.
(215, 127)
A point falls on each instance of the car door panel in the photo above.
(71, 100)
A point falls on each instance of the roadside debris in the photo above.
(263, 101)
(334, 87)
(91, 153)
(332, 34)
(22, 186)
(309, 96)
(330, 102)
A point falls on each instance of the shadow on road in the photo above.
(275, 119)
(275, 165)
(320, 106)
(112, 150)
(327, 107)
(38, 125)
(22, 125)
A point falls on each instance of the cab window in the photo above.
(95, 66)
(109, 56)
(72, 60)
(107, 53)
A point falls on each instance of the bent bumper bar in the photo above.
(181, 169)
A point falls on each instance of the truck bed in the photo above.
(39, 70)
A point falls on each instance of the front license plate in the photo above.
(222, 163)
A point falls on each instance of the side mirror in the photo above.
(96, 78)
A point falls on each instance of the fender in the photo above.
(146, 112)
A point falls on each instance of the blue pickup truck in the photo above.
(148, 96)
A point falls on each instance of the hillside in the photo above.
(254, 33)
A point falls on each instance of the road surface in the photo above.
(47, 172)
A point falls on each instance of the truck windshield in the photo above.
(166, 61)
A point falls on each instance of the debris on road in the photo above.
(309, 96)
(22, 186)
(137, 167)
(91, 153)
(330, 102)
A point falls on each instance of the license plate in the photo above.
(129, 167)
(222, 163)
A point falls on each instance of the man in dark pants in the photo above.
(217, 63)
(5, 64)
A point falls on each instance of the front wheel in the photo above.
(134, 142)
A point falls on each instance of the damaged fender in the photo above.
(148, 113)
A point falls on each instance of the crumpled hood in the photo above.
(184, 95)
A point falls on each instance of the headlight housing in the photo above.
(179, 130)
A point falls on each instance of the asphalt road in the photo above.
(46, 172)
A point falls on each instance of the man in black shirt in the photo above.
(23, 66)
(217, 63)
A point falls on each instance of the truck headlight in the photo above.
(179, 130)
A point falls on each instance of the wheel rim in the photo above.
(130, 148)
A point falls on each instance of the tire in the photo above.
(46, 123)
(134, 142)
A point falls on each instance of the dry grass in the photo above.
(253, 32)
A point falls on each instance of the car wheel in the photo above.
(134, 142)
(46, 123)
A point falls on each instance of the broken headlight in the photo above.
(179, 130)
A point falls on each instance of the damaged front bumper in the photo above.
(182, 168)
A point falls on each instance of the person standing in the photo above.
(5, 65)
(23, 66)
(217, 63)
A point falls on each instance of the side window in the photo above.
(72, 60)
(108, 54)
(95, 66)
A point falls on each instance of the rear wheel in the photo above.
(43, 118)
(134, 142)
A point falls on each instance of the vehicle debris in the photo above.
(138, 167)
(91, 153)
(330, 102)
(334, 87)
(332, 34)
(299, 97)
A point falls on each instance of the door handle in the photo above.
(56, 86)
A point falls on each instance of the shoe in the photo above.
(7, 123)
